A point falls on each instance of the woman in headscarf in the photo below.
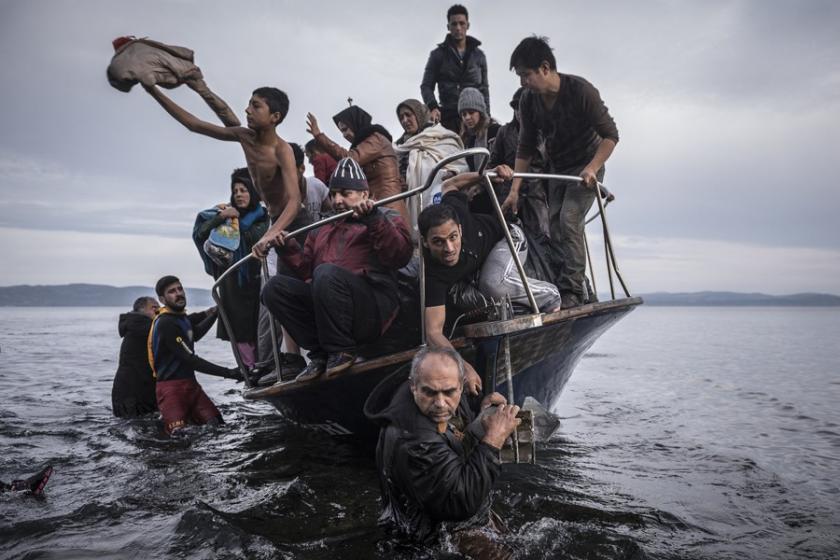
(370, 146)
(422, 146)
(478, 130)
(240, 291)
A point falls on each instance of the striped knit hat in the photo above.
(348, 175)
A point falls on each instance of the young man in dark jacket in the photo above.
(172, 338)
(436, 464)
(566, 116)
(344, 289)
(453, 65)
(133, 392)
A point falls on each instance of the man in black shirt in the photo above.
(459, 244)
(180, 398)
(565, 116)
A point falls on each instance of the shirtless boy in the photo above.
(270, 159)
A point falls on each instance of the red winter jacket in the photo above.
(375, 246)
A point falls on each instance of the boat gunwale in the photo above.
(476, 331)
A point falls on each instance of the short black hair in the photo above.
(435, 215)
(312, 146)
(457, 9)
(531, 52)
(164, 283)
(298, 153)
(277, 100)
(142, 302)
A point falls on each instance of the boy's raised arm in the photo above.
(193, 123)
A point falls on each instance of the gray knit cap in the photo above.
(472, 100)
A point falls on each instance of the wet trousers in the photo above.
(336, 312)
(568, 204)
(182, 402)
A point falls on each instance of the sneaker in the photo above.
(569, 300)
(338, 362)
(268, 379)
(312, 371)
(290, 366)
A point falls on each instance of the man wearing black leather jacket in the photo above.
(434, 471)
(455, 64)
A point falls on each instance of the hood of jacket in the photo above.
(134, 323)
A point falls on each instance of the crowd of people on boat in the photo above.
(342, 290)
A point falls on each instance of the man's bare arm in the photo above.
(466, 180)
(190, 121)
(435, 318)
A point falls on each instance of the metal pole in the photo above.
(589, 260)
(514, 255)
(272, 326)
(228, 327)
(606, 242)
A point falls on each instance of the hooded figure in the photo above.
(421, 116)
(419, 153)
(370, 146)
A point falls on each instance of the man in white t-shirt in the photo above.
(315, 194)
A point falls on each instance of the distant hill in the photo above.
(87, 295)
(741, 299)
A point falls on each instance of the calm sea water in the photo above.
(687, 433)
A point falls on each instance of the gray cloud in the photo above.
(728, 111)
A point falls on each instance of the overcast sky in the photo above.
(729, 116)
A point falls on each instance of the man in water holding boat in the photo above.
(566, 115)
(133, 391)
(436, 462)
(458, 245)
(343, 290)
(180, 398)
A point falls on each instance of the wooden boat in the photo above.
(524, 356)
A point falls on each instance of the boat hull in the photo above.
(542, 361)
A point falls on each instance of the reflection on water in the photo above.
(688, 433)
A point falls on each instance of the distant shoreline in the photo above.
(100, 295)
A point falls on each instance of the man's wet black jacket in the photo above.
(428, 477)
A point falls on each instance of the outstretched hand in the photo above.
(312, 125)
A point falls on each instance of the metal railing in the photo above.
(612, 267)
